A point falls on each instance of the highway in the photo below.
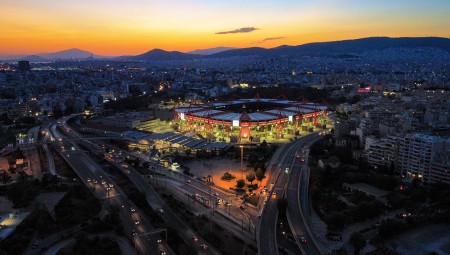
(92, 175)
(298, 184)
(50, 161)
(154, 201)
(278, 183)
(192, 185)
(267, 239)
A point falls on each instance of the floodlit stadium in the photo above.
(250, 119)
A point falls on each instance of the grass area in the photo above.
(61, 166)
(77, 206)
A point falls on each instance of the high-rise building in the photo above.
(24, 65)
(417, 153)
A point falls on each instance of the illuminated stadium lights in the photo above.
(240, 119)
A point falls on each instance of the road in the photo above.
(267, 240)
(298, 216)
(192, 185)
(90, 172)
(171, 219)
(50, 161)
(278, 184)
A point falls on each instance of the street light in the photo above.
(242, 160)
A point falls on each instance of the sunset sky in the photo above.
(128, 27)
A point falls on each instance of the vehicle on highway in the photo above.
(132, 209)
(175, 166)
(134, 233)
(161, 211)
(136, 222)
(215, 194)
(303, 239)
(188, 181)
(195, 239)
(88, 180)
(227, 204)
(242, 207)
(159, 241)
(95, 181)
(204, 246)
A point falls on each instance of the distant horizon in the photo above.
(114, 28)
(197, 49)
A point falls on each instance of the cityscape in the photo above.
(225, 127)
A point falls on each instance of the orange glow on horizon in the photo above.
(113, 28)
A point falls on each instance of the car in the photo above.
(88, 180)
(163, 253)
(242, 207)
(188, 181)
(227, 204)
(303, 239)
(159, 241)
(132, 209)
(161, 211)
(136, 222)
(215, 194)
(204, 246)
(110, 185)
(133, 233)
(35, 245)
(103, 182)
(195, 239)
(95, 181)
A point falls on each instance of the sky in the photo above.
(130, 27)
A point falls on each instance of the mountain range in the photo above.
(354, 46)
(69, 54)
(210, 51)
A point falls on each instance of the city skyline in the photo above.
(111, 29)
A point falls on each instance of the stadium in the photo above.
(250, 119)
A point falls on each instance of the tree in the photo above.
(5, 177)
(251, 178)
(357, 241)
(240, 183)
(259, 174)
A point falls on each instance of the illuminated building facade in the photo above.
(250, 119)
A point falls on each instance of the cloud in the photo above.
(239, 30)
(269, 39)
(272, 38)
